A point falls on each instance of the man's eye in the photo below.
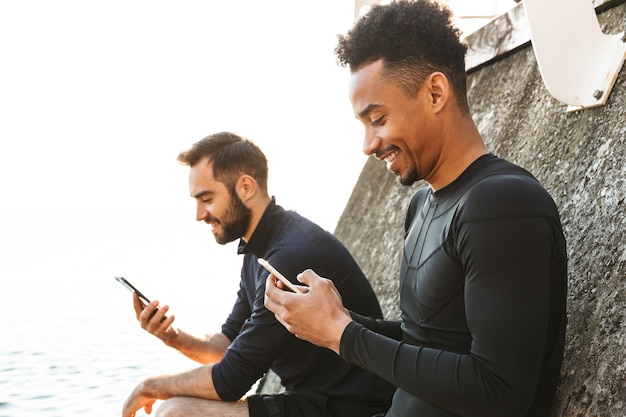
(378, 122)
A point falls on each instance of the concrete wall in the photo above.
(581, 159)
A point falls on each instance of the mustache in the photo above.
(210, 220)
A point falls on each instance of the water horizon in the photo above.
(71, 344)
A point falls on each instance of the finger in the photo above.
(278, 283)
(147, 313)
(275, 289)
(167, 321)
(309, 277)
(270, 283)
(302, 289)
(137, 305)
(159, 315)
(272, 293)
(285, 321)
(277, 300)
(160, 323)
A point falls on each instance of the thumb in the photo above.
(308, 277)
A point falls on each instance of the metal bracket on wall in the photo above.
(579, 64)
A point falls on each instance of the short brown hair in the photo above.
(232, 156)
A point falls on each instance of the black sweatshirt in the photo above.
(292, 244)
(483, 288)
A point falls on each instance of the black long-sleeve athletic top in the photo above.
(292, 244)
(483, 289)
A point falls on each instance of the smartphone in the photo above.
(280, 276)
(142, 297)
(132, 288)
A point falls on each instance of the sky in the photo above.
(98, 98)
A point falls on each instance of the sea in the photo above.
(70, 344)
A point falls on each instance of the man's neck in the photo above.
(463, 145)
(257, 209)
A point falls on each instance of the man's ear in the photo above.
(246, 187)
(439, 91)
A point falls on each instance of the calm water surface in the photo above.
(69, 341)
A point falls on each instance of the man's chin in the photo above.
(224, 238)
(409, 178)
(220, 238)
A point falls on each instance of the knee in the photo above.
(172, 407)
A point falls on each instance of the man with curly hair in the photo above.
(483, 277)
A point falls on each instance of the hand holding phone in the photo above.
(280, 276)
(145, 300)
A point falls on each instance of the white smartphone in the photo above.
(280, 276)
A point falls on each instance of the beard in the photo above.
(236, 221)
(410, 178)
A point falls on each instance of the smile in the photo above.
(214, 224)
(389, 158)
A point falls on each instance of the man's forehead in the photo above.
(201, 177)
(362, 85)
(204, 167)
(366, 74)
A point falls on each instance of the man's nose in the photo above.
(201, 212)
(371, 142)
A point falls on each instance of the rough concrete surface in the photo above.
(581, 160)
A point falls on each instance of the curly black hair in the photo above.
(414, 39)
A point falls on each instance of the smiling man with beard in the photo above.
(228, 180)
